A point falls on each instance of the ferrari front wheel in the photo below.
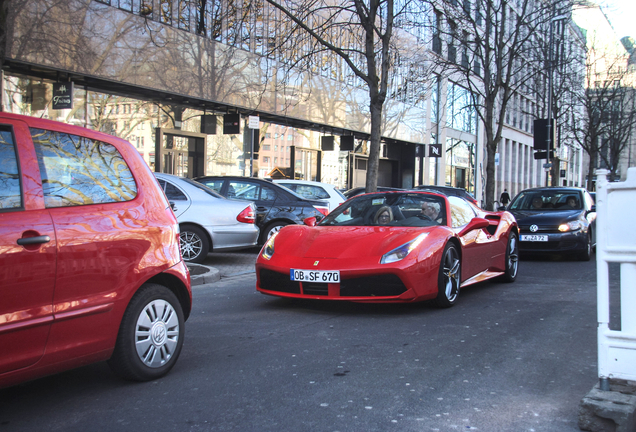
(449, 277)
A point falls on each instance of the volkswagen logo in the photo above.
(534, 228)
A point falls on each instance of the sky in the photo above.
(622, 16)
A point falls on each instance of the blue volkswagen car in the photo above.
(555, 220)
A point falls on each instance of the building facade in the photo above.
(173, 78)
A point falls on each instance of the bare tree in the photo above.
(361, 34)
(610, 112)
(492, 48)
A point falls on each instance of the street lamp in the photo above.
(551, 124)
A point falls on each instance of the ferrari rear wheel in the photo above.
(512, 259)
(449, 278)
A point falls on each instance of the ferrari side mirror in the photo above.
(310, 221)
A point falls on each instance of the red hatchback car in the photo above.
(90, 267)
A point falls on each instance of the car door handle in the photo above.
(34, 240)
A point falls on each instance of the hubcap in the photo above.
(513, 257)
(451, 273)
(274, 230)
(191, 245)
(157, 333)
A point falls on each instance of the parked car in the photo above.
(360, 190)
(402, 246)
(315, 190)
(90, 268)
(207, 220)
(555, 219)
(449, 191)
(276, 206)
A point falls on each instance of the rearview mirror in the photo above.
(474, 224)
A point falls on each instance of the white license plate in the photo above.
(534, 238)
(323, 276)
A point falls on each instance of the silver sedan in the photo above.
(208, 221)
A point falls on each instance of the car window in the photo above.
(313, 192)
(77, 170)
(393, 210)
(215, 185)
(173, 193)
(543, 200)
(268, 194)
(10, 195)
(203, 187)
(243, 190)
(461, 211)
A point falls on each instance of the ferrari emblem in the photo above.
(316, 263)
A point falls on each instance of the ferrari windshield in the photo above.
(390, 209)
(541, 200)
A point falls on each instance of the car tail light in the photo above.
(323, 210)
(248, 215)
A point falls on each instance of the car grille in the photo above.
(314, 288)
(387, 285)
(274, 281)
(525, 229)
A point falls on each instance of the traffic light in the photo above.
(544, 135)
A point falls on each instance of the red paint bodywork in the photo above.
(356, 251)
(61, 302)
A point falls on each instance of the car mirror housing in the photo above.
(474, 224)
(310, 221)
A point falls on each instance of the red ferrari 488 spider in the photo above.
(401, 246)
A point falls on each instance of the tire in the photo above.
(586, 255)
(150, 335)
(512, 259)
(449, 277)
(271, 229)
(194, 244)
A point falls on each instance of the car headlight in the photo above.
(399, 253)
(570, 226)
(268, 247)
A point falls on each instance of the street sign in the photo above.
(435, 150)
(547, 165)
(253, 122)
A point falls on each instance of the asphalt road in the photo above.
(507, 357)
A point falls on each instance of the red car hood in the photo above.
(342, 242)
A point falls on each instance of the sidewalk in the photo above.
(223, 264)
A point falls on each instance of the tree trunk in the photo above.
(590, 172)
(374, 150)
(489, 199)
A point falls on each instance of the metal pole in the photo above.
(549, 143)
(252, 156)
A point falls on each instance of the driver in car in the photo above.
(430, 209)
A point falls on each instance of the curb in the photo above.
(200, 274)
